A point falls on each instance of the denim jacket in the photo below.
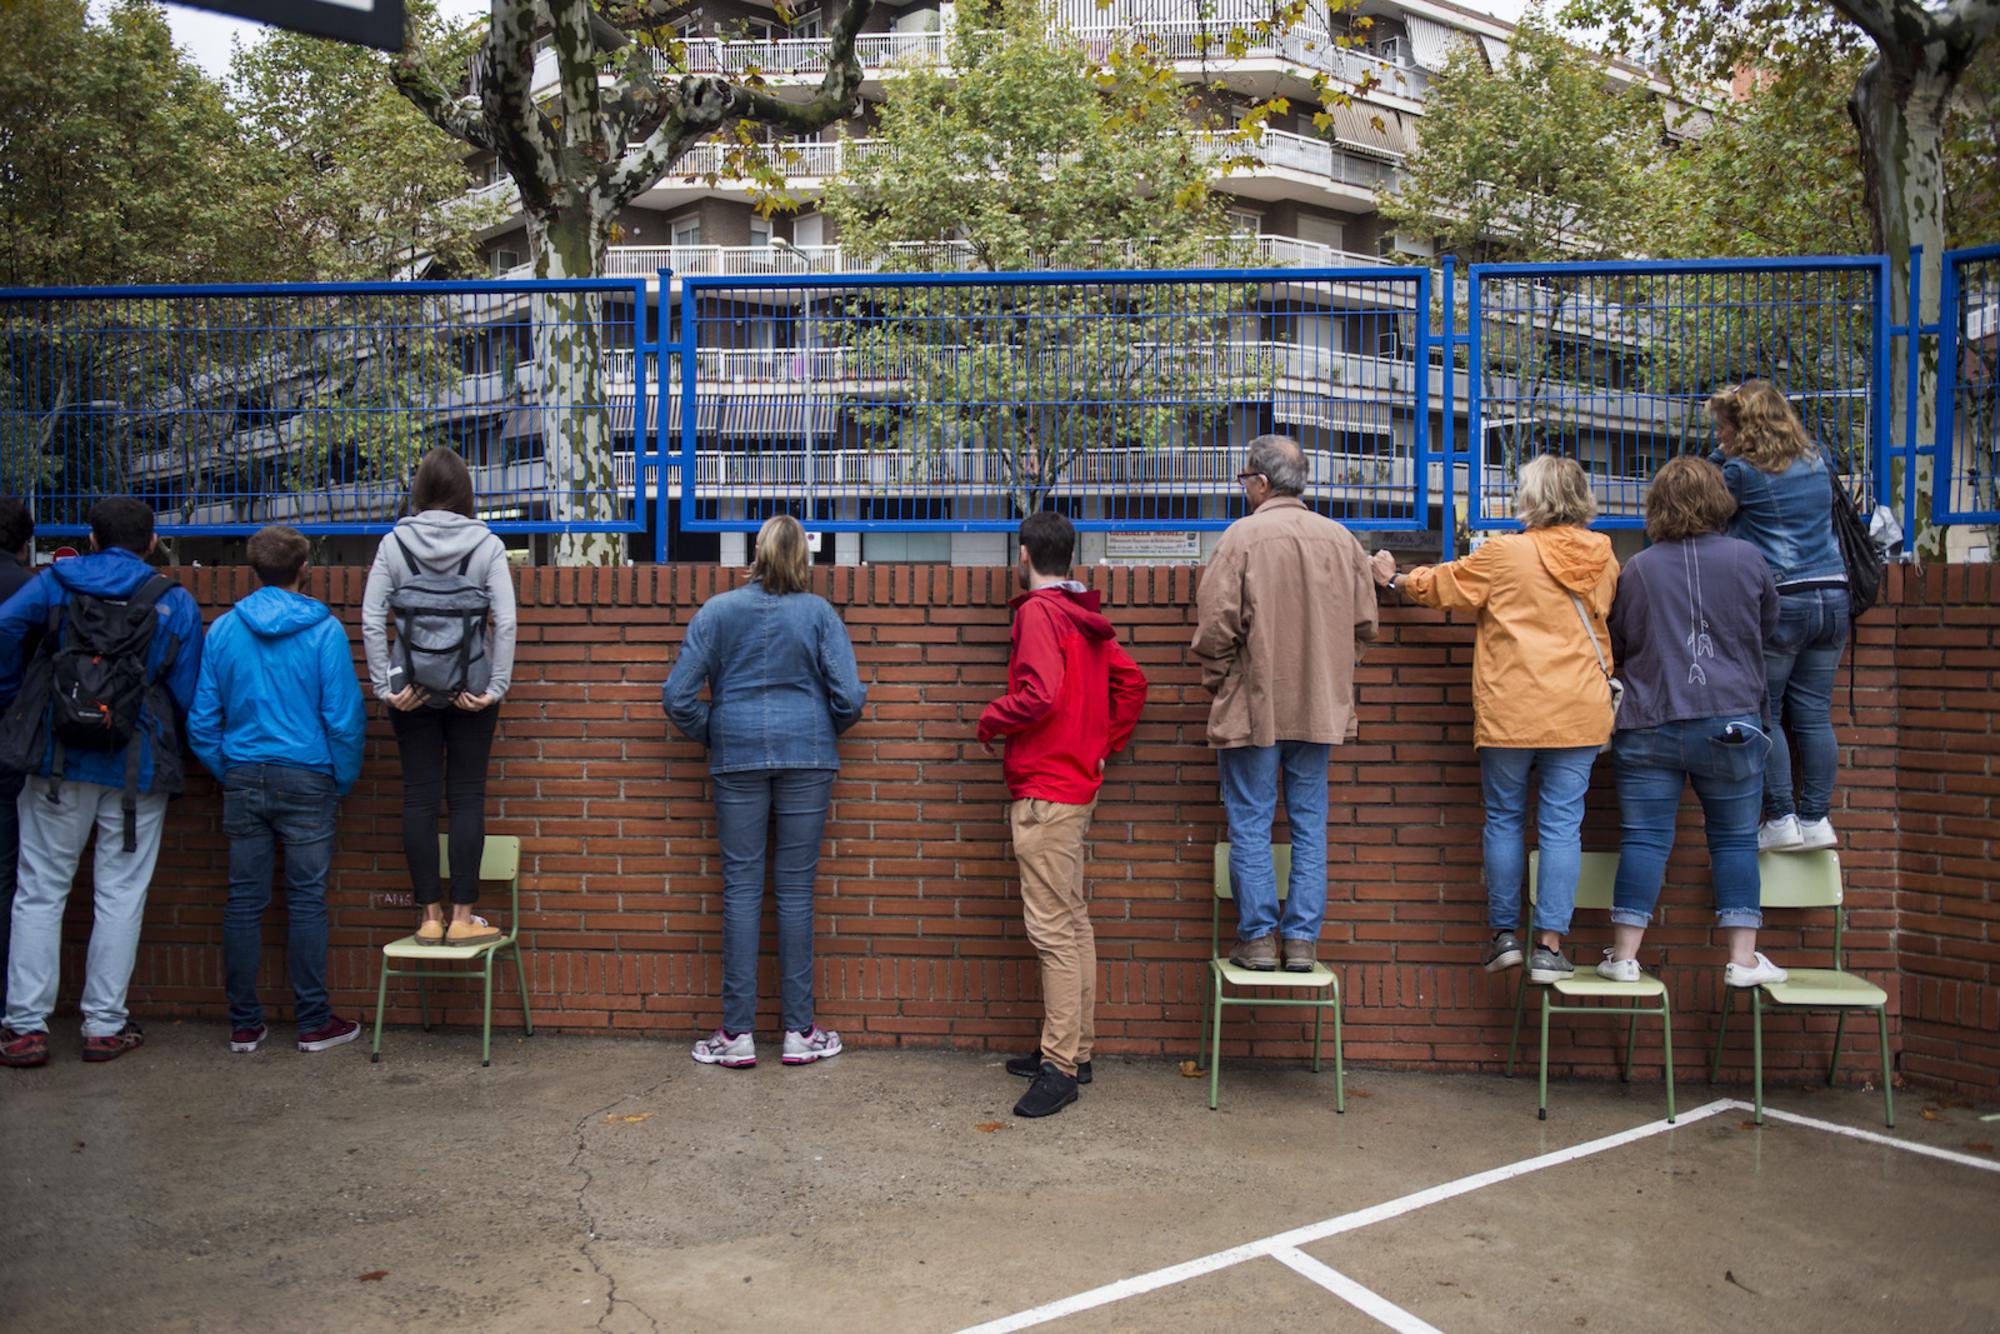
(781, 680)
(1787, 516)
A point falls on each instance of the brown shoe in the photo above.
(1299, 956)
(1259, 955)
(430, 932)
(478, 931)
(111, 1048)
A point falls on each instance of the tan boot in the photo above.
(477, 931)
(430, 932)
(1259, 955)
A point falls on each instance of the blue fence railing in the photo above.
(1967, 483)
(227, 408)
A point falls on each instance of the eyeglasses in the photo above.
(1246, 476)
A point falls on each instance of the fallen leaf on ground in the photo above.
(1933, 1114)
(1746, 1125)
(988, 1127)
(634, 1119)
(372, 1276)
(1359, 1093)
(1191, 1070)
(1978, 1147)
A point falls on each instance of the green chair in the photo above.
(1808, 880)
(1226, 974)
(499, 860)
(1593, 890)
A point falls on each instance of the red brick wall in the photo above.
(919, 935)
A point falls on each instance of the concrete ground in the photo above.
(585, 1184)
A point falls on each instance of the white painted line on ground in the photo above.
(1235, 1255)
(1366, 1300)
(1874, 1137)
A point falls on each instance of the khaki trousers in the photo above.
(1048, 844)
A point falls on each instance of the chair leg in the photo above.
(1631, 1039)
(1757, 1052)
(1542, 1109)
(1201, 1045)
(1514, 1040)
(521, 980)
(381, 999)
(423, 1003)
(1888, 1081)
(1667, 1042)
(1319, 1014)
(1215, 1046)
(1833, 1065)
(486, 1025)
(1721, 1033)
(1339, 1061)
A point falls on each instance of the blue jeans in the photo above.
(1653, 764)
(1503, 782)
(10, 860)
(263, 806)
(745, 804)
(1799, 664)
(1249, 776)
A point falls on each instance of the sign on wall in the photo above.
(363, 22)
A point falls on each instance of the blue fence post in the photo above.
(1449, 550)
(1911, 331)
(690, 418)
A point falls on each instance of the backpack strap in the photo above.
(466, 564)
(149, 593)
(408, 559)
(128, 800)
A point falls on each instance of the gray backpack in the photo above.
(441, 630)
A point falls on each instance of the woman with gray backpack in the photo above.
(441, 579)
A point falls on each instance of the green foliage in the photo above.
(1543, 158)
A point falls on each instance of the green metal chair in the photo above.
(1593, 890)
(1223, 973)
(1808, 880)
(499, 860)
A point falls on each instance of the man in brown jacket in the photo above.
(1285, 604)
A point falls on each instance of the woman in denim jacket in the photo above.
(782, 686)
(1784, 503)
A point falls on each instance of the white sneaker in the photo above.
(1618, 970)
(1755, 976)
(1779, 835)
(718, 1048)
(1817, 834)
(805, 1048)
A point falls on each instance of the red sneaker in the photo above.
(246, 1039)
(22, 1050)
(334, 1032)
(110, 1049)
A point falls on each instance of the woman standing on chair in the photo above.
(1541, 694)
(782, 687)
(443, 737)
(1693, 613)
(1784, 499)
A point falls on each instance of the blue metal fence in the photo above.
(229, 407)
(1967, 478)
(959, 402)
(1612, 363)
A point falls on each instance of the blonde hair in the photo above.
(1769, 436)
(782, 563)
(1551, 491)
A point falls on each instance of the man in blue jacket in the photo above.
(278, 719)
(72, 790)
(17, 530)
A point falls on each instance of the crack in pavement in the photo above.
(611, 1298)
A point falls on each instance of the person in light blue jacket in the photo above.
(278, 720)
(782, 688)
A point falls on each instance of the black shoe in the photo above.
(1050, 1093)
(1027, 1067)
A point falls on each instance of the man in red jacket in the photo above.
(1073, 697)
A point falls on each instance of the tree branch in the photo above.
(456, 116)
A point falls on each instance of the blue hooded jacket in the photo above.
(278, 687)
(116, 573)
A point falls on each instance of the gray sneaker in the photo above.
(1546, 966)
(1259, 955)
(1503, 952)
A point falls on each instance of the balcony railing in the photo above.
(1279, 150)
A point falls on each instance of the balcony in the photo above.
(1270, 165)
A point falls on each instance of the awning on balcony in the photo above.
(1684, 121)
(1371, 129)
(1332, 414)
(1496, 50)
(1431, 42)
(787, 417)
(536, 419)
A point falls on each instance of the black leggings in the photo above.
(444, 757)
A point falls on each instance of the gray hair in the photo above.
(1282, 462)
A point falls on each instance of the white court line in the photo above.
(1874, 1137)
(1366, 1300)
(1235, 1255)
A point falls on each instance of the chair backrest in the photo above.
(1799, 879)
(1594, 884)
(1281, 867)
(500, 859)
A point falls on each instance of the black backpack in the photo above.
(1858, 552)
(88, 686)
(441, 630)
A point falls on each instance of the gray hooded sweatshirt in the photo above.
(439, 540)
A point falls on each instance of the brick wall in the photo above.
(919, 935)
